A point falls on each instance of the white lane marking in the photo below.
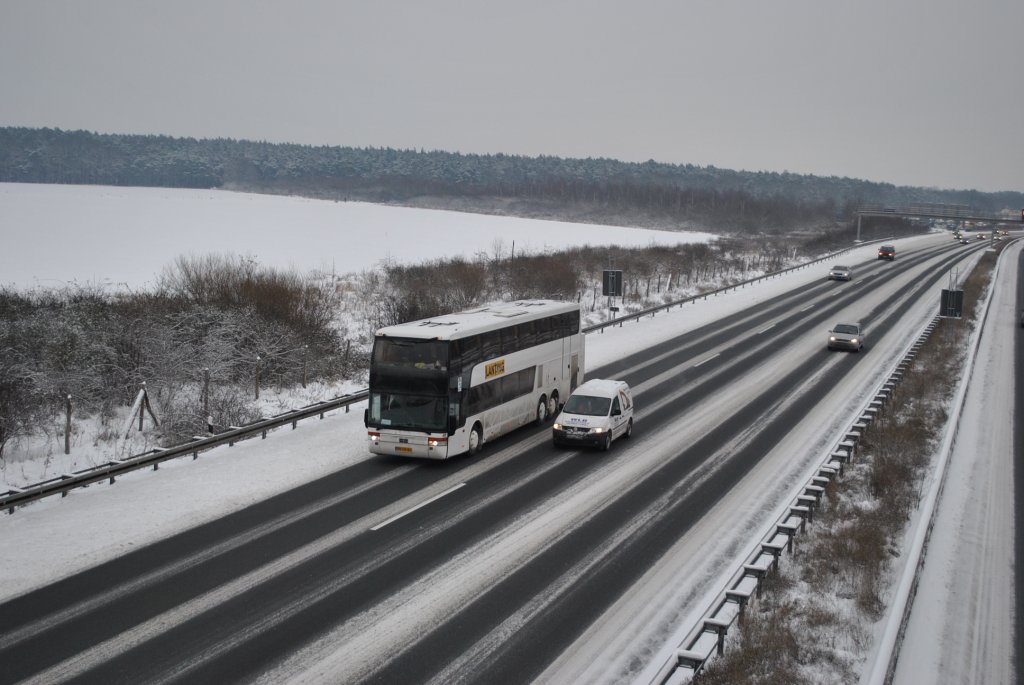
(705, 361)
(766, 329)
(810, 306)
(418, 506)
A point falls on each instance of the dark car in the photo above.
(887, 252)
(846, 336)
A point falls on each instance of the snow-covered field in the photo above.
(117, 236)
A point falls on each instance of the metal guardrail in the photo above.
(112, 469)
(16, 497)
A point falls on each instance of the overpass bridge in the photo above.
(936, 211)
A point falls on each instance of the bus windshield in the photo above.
(412, 412)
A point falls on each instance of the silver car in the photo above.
(846, 336)
(840, 273)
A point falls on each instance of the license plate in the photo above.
(403, 449)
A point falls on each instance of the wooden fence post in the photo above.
(141, 412)
(206, 391)
(305, 350)
(67, 427)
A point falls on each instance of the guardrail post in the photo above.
(741, 598)
(803, 512)
(717, 625)
(759, 574)
(789, 530)
(809, 503)
(775, 549)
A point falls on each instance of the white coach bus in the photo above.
(446, 385)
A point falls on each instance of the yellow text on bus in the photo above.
(495, 368)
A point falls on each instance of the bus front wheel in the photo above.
(476, 439)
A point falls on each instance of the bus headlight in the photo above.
(374, 437)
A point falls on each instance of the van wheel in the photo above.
(542, 410)
(607, 444)
(476, 439)
(629, 429)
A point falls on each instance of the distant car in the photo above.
(846, 336)
(887, 252)
(965, 241)
(840, 273)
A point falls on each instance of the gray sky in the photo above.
(911, 92)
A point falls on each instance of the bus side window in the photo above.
(490, 345)
(565, 325)
(527, 336)
(543, 327)
(526, 381)
(508, 340)
(469, 349)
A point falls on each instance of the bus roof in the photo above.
(486, 317)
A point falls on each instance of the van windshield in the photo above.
(587, 405)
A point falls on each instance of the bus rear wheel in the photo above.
(476, 439)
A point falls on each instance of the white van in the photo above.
(596, 413)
